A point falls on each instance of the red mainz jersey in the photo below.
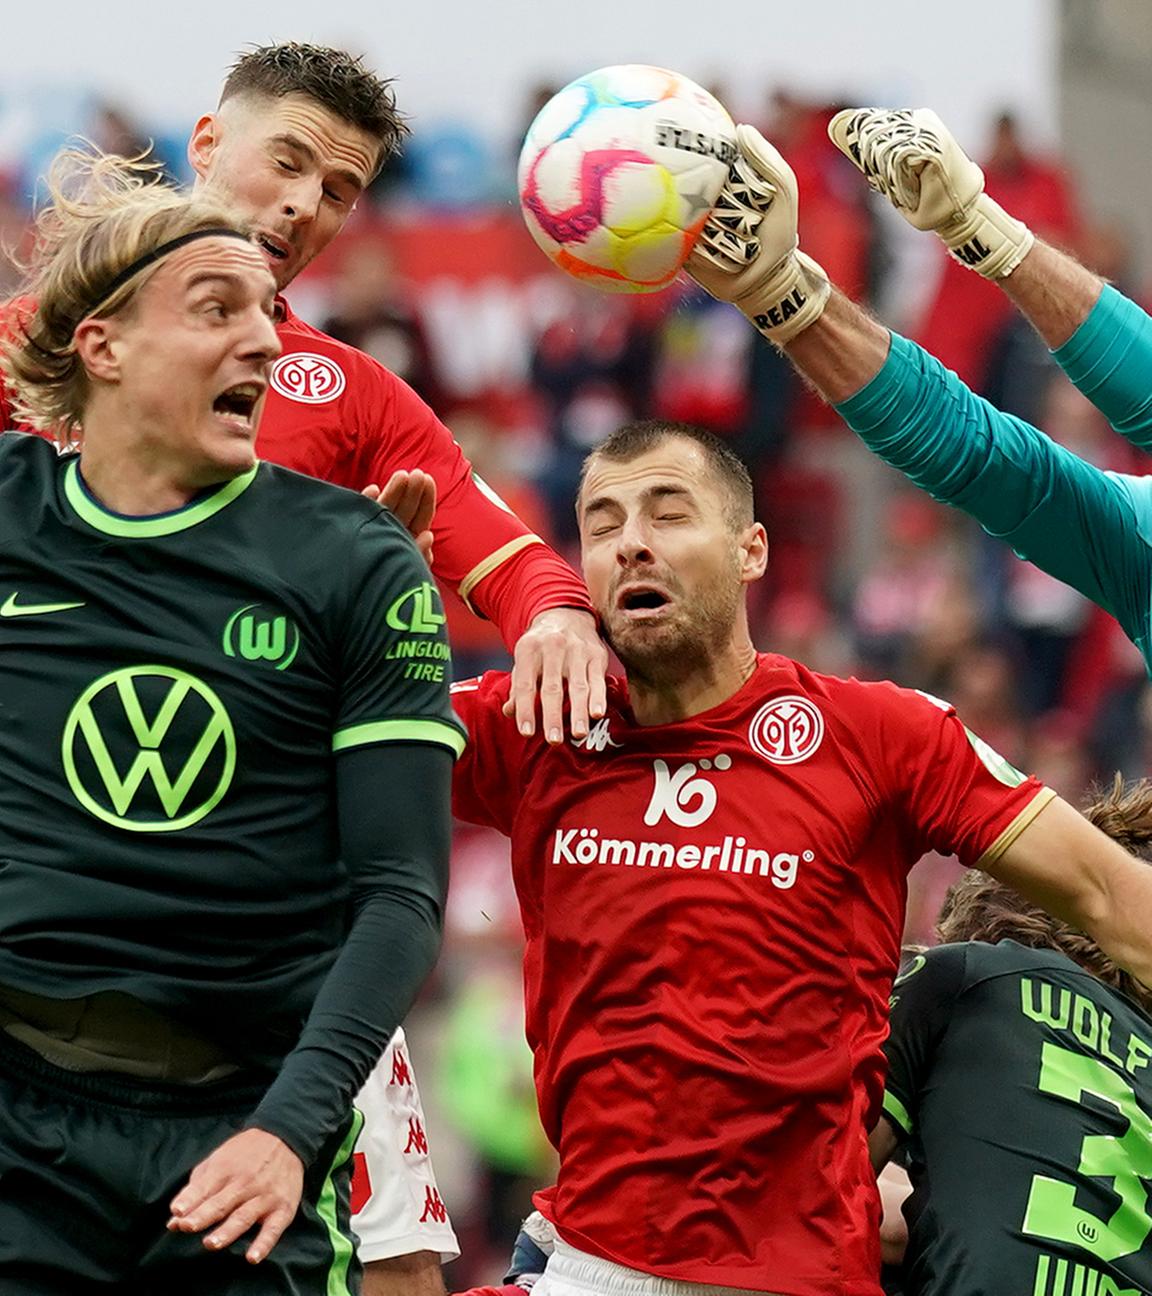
(335, 413)
(713, 912)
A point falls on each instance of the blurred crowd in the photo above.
(437, 279)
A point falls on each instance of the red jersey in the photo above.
(335, 413)
(713, 913)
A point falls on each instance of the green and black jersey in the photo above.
(1022, 1085)
(176, 692)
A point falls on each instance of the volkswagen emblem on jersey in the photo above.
(308, 378)
(786, 730)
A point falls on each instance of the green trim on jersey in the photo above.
(433, 731)
(899, 1113)
(113, 524)
(343, 1247)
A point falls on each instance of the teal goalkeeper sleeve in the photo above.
(1109, 358)
(1089, 528)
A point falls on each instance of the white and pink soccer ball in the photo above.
(620, 170)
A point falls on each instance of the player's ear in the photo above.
(203, 143)
(95, 343)
(753, 553)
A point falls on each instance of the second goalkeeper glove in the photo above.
(911, 158)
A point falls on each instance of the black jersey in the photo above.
(173, 693)
(1022, 1085)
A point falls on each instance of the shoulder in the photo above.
(849, 696)
(301, 339)
(27, 449)
(320, 507)
(1138, 492)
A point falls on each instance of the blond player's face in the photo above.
(191, 360)
(290, 167)
(662, 562)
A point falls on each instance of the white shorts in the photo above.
(576, 1273)
(396, 1205)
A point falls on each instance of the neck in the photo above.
(129, 474)
(702, 686)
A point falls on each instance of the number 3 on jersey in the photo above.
(1052, 1212)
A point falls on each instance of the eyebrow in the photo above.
(226, 278)
(305, 149)
(652, 493)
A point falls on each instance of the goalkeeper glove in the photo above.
(747, 252)
(911, 158)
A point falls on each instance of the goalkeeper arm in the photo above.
(912, 159)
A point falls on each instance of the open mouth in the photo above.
(277, 250)
(641, 599)
(239, 403)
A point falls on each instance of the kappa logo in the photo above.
(598, 739)
(786, 730)
(308, 378)
(686, 798)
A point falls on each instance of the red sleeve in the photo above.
(483, 551)
(959, 796)
(11, 315)
(486, 778)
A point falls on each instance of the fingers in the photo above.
(230, 1214)
(372, 492)
(251, 1179)
(411, 496)
(560, 655)
(424, 506)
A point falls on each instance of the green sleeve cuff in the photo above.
(425, 731)
(895, 1110)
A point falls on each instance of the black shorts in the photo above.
(90, 1163)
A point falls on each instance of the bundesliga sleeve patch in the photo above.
(994, 763)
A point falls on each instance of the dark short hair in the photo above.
(635, 439)
(335, 79)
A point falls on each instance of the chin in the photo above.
(222, 463)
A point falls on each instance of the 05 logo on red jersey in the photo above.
(308, 378)
(786, 730)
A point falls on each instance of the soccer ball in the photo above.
(620, 170)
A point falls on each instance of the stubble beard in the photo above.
(663, 654)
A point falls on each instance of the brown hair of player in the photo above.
(104, 213)
(333, 78)
(635, 439)
(979, 908)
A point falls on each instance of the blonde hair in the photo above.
(104, 213)
(980, 908)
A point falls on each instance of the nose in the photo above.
(261, 343)
(632, 546)
(302, 201)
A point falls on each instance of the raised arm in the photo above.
(1084, 526)
(500, 568)
(1069, 867)
(1102, 340)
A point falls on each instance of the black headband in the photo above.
(222, 231)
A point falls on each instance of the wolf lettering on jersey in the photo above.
(1045, 1194)
(716, 907)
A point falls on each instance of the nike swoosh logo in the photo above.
(13, 609)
